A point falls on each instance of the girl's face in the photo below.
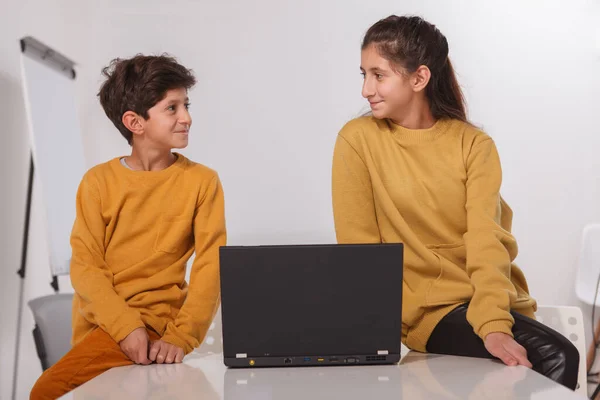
(388, 91)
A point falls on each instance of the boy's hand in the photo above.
(135, 346)
(167, 353)
(506, 349)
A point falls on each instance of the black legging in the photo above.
(550, 353)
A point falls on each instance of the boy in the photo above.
(139, 219)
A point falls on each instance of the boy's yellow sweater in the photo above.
(437, 191)
(133, 234)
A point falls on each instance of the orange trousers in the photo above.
(95, 354)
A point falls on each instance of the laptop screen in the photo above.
(311, 299)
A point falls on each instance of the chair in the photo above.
(588, 276)
(568, 321)
(52, 332)
(588, 268)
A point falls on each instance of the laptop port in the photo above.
(351, 360)
(376, 358)
(287, 360)
(307, 359)
(333, 359)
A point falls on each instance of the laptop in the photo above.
(311, 305)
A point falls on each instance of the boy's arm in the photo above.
(194, 318)
(90, 275)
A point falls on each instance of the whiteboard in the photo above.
(56, 145)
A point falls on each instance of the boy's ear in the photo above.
(134, 122)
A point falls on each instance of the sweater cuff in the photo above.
(123, 326)
(171, 337)
(502, 326)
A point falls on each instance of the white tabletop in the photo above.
(418, 376)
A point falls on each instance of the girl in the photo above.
(417, 172)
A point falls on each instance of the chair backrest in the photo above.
(588, 268)
(213, 342)
(52, 335)
(568, 321)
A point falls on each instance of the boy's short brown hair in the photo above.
(137, 84)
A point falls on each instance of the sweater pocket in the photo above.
(452, 285)
(174, 234)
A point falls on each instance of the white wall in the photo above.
(277, 80)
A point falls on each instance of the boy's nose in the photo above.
(186, 119)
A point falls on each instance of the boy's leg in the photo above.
(550, 353)
(95, 354)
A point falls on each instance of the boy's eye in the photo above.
(171, 108)
(379, 76)
(187, 106)
(363, 75)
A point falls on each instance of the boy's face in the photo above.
(169, 121)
